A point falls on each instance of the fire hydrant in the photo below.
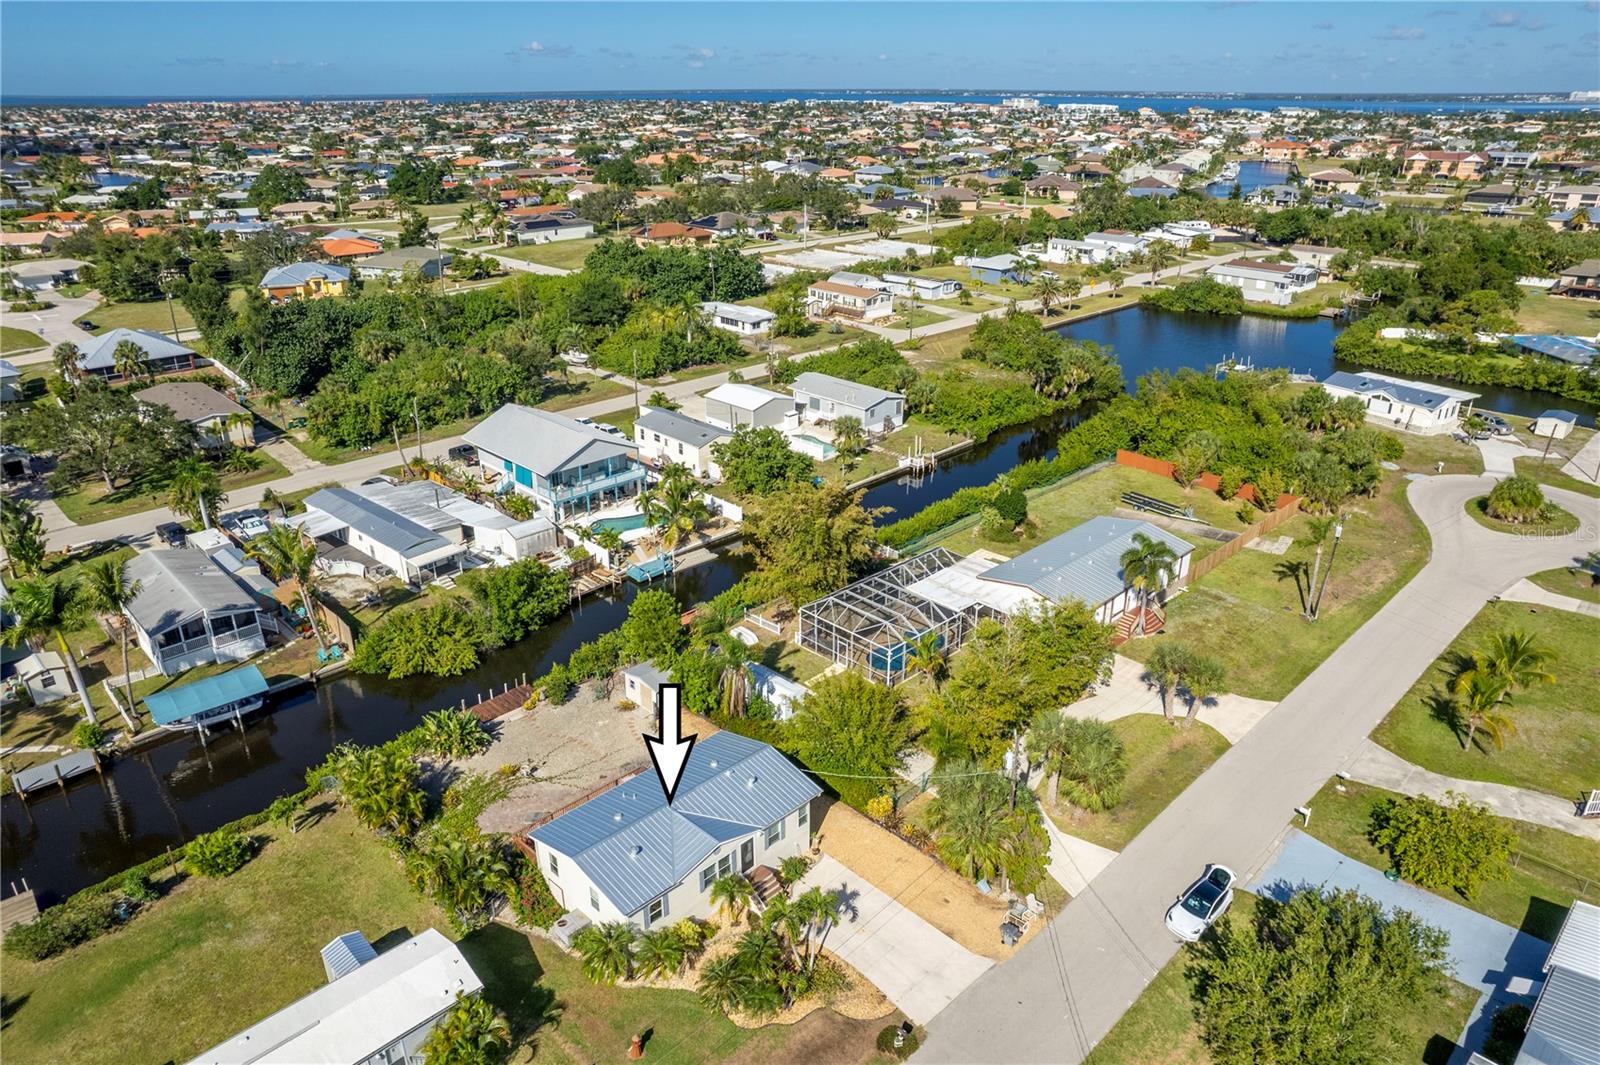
(636, 1048)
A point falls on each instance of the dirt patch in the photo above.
(823, 1036)
(920, 883)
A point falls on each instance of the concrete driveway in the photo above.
(55, 324)
(1484, 953)
(917, 966)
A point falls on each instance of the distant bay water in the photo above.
(1409, 104)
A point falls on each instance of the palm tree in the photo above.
(1093, 764)
(128, 361)
(45, 607)
(195, 489)
(472, 1032)
(468, 219)
(731, 895)
(1317, 530)
(245, 422)
(381, 787)
(1477, 695)
(287, 552)
(607, 952)
(820, 910)
(1047, 744)
(459, 871)
(1204, 678)
(927, 655)
(733, 682)
(1146, 566)
(1160, 255)
(22, 536)
(66, 356)
(969, 818)
(270, 501)
(674, 507)
(1165, 670)
(106, 589)
(1046, 289)
(610, 540)
(1071, 287)
(659, 952)
(1517, 657)
(849, 438)
(724, 983)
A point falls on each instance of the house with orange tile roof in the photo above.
(349, 247)
(669, 234)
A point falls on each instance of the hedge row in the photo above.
(1496, 368)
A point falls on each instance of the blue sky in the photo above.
(335, 47)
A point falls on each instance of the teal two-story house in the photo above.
(567, 467)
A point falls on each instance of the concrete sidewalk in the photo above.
(1075, 862)
(1382, 768)
(918, 967)
(1483, 953)
(1585, 465)
(1127, 693)
(1525, 591)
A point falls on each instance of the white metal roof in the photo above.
(745, 397)
(360, 1013)
(1577, 945)
(962, 585)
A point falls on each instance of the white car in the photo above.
(1201, 904)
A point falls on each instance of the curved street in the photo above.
(1065, 990)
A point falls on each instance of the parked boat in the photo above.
(648, 570)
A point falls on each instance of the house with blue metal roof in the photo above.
(305, 281)
(1411, 406)
(628, 855)
(1569, 349)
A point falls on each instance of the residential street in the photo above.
(1064, 991)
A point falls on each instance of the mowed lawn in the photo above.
(1541, 312)
(229, 951)
(1248, 615)
(1163, 759)
(1061, 507)
(1161, 1027)
(1573, 583)
(90, 502)
(1552, 869)
(562, 254)
(14, 340)
(1556, 747)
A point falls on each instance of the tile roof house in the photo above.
(567, 467)
(629, 855)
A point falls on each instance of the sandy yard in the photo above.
(575, 749)
(921, 884)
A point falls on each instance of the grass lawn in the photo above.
(1557, 743)
(563, 254)
(1571, 581)
(919, 317)
(14, 340)
(887, 450)
(1060, 507)
(235, 949)
(1248, 616)
(823, 337)
(90, 502)
(1424, 453)
(1160, 1028)
(241, 948)
(153, 315)
(1548, 874)
(1550, 472)
(1540, 312)
(1559, 523)
(1162, 761)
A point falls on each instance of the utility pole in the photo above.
(416, 418)
(1316, 604)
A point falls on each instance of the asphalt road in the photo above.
(1064, 991)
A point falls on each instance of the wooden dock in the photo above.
(19, 908)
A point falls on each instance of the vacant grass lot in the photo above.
(90, 502)
(1551, 472)
(1247, 613)
(562, 254)
(1557, 743)
(1059, 508)
(238, 949)
(1424, 453)
(1551, 869)
(1161, 1028)
(1572, 582)
(1163, 759)
(886, 451)
(14, 340)
(153, 316)
(1541, 312)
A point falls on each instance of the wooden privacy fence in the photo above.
(1207, 480)
(1239, 543)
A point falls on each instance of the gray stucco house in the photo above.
(190, 611)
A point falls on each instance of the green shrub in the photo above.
(558, 684)
(886, 1043)
(88, 734)
(1506, 1033)
(60, 928)
(137, 886)
(1516, 499)
(441, 640)
(1012, 503)
(216, 854)
(1456, 844)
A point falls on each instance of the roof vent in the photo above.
(750, 781)
(617, 816)
(713, 763)
(637, 850)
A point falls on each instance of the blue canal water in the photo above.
(170, 791)
(1253, 174)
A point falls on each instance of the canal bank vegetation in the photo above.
(1207, 296)
(1460, 361)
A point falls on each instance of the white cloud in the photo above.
(1402, 33)
(540, 50)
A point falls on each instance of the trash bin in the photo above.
(1009, 934)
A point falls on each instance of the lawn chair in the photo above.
(1590, 806)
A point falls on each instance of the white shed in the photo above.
(1556, 423)
(44, 674)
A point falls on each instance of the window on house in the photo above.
(708, 876)
(555, 866)
(655, 911)
(774, 833)
(594, 900)
(803, 816)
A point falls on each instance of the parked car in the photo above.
(1497, 425)
(172, 534)
(465, 454)
(86, 325)
(1201, 903)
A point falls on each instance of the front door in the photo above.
(747, 855)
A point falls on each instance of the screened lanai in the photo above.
(873, 623)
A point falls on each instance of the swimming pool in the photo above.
(816, 447)
(626, 523)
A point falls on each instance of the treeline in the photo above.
(1241, 427)
(1492, 367)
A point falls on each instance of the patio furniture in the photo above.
(1590, 806)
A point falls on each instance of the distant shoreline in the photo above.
(1160, 101)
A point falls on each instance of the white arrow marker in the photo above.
(669, 753)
